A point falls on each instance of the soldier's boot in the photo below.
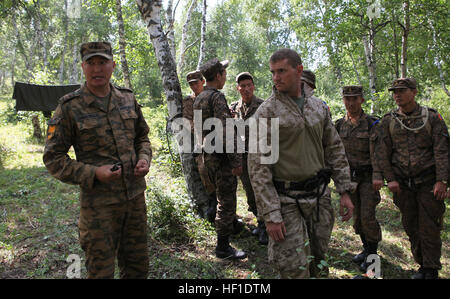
(238, 225)
(225, 251)
(372, 248)
(426, 273)
(257, 230)
(361, 257)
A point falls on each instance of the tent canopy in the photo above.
(32, 97)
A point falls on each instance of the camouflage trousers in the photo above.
(365, 201)
(422, 219)
(199, 196)
(225, 183)
(307, 237)
(247, 185)
(118, 230)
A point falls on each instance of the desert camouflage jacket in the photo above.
(308, 142)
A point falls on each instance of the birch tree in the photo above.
(203, 36)
(122, 45)
(183, 47)
(151, 12)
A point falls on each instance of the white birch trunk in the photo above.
(171, 34)
(151, 12)
(184, 35)
(203, 37)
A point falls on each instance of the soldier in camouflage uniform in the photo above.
(221, 167)
(205, 203)
(291, 193)
(244, 109)
(105, 126)
(358, 132)
(414, 158)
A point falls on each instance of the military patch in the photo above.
(51, 128)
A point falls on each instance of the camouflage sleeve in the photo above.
(383, 153)
(56, 159)
(266, 196)
(142, 143)
(375, 132)
(335, 156)
(440, 146)
(222, 112)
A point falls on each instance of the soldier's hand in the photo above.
(276, 231)
(394, 186)
(105, 175)
(377, 184)
(346, 205)
(440, 190)
(141, 168)
(237, 171)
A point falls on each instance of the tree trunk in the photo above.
(15, 44)
(184, 36)
(151, 12)
(63, 54)
(39, 35)
(74, 74)
(37, 132)
(171, 34)
(437, 57)
(394, 22)
(370, 62)
(122, 45)
(406, 29)
(203, 37)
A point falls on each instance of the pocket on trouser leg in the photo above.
(290, 257)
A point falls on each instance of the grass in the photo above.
(39, 215)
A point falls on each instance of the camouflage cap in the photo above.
(210, 68)
(243, 76)
(352, 90)
(309, 77)
(194, 76)
(91, 49)
(403, 83)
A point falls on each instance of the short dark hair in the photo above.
(292, 56)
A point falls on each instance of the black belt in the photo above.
(311, 186)
(426, 176)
